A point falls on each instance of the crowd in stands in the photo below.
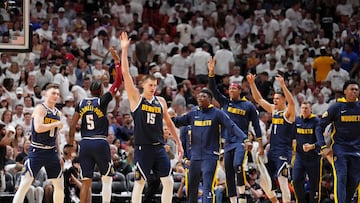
(313, 44)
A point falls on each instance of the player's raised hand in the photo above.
(211, 65)
(280, 79)
(114, 55)
(124, 40)
(251, 78)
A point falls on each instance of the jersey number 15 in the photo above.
(150, 118)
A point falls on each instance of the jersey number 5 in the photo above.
(150, 119)
(90, 125)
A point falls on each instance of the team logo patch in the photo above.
(285, 172)
(137, 175)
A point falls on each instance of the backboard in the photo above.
(15, 28)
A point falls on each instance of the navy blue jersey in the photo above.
(48, 138)
(280, 137)
(345, 118)
(305, 133)
(148, 122)
(205, 131)
(242, 112)
(185, 137)
(92, 112)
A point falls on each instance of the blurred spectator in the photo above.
(203, 32)
(327, 189)
(220, 186)
(119, 164)
(224, 61)
(43, 75)
(19, 97)
(349, 60)
(180, 65)
(167, 94)
(82, 71)
(169, 79)
(179, 102)
(72, 181)
(175, 43)
(78, 24)
(322, 65)
(61, 79)
(27, 124)
(294, 15)
(6, 117)
(117, 9)
(126, 16)
(264, 85)
(143, 53)
(271, 28)
(337, 77)
(5, 139)
(200, 60)
(97, 46)
(127, 128)
(170, 144)
(4, 62)
(308, 74)
(39, 11)
(22, 156)
(35, 194)
(320, 106)
(35, 99)
(69, 12)
(64, 22)
(236, 77)
(44, 31)
(263, 66)
(19, 140)
(255, 193)
(242, 28)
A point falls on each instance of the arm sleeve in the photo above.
(317, 146)
(183, 138)
(231, 126)
(218, 96)
(326, 119)
(255, 122)
(105, 100)
(182, 120)
(118, 79)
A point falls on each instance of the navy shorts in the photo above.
(95, 151)
(278, 165)
(151, 158)
(47, 158)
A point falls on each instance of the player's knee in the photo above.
(27, 178)
(58, 183)
(167, 181)
(141, 182)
